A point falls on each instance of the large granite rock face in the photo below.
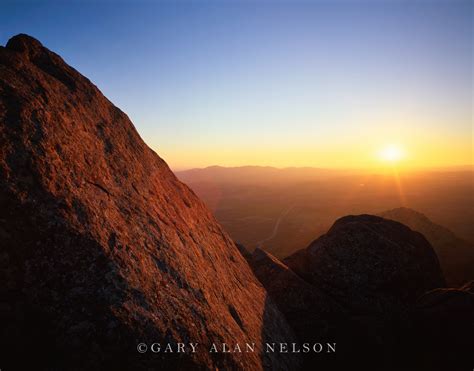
(101, 246)
(456, 255)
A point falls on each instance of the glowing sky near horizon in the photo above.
(287, 83)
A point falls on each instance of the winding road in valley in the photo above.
(272, 235)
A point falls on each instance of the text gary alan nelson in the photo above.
(236, 348)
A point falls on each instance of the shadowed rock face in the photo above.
(443, 324)
(306, 307)
(101, 246)
(456, 256)
(355, 285)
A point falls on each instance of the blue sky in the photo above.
(283, 83)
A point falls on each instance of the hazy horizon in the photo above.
(358, 84)
(384, 169)
(289, 208)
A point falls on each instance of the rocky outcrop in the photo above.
(455, 255)
(102, 247)
(356, 285)
(370, 264)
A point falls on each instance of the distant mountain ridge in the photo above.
(255, 173)
(455, 254)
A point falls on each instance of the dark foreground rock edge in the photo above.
(101, 246)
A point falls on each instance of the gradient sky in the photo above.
(281, 83)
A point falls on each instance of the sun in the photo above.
(392, 153)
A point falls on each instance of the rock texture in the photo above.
(455, 255)
(101, 246)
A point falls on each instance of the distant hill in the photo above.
(455, 254)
